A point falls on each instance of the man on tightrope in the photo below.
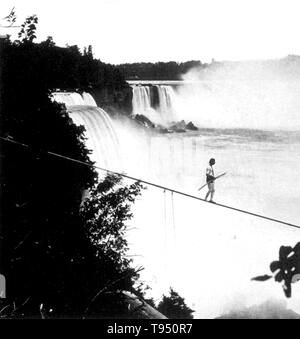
(210, 180)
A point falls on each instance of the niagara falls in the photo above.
(149, 162)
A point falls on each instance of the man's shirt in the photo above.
(210, 174)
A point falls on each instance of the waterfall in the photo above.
(88, 99)
(166, 102)
(165, 97)
(141, 101)
(156, 102)
(101, 137)
(73, 99)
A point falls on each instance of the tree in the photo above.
(28, 29)
(158, 71)
(174, 307)
(46, 252)
(10, 19)
(48, 43)
(54, 260)
(104, 215)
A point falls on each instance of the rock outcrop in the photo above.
(114, 100)
(174, 127)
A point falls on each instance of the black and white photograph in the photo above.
(149, 161)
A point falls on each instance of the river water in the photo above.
(207, 253)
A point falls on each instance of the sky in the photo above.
(162, 30)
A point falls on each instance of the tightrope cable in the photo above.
(158, 186)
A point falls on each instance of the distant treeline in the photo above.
(158, 71)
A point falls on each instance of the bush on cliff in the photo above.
(174, 307)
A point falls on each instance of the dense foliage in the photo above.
(67, 68)
(157, 71)
(55, 262)
(104, 214)
(174, 307)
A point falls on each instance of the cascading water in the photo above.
(156, 102)
(141, 101)
(88, 99)
(68, 98)
(101, 136)
(166, 102)
(73, 99)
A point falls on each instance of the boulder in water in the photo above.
(178, 127)
(181, 126)
(141, 119)
(163, 130)
(190, 126)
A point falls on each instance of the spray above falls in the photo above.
(260, 95)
